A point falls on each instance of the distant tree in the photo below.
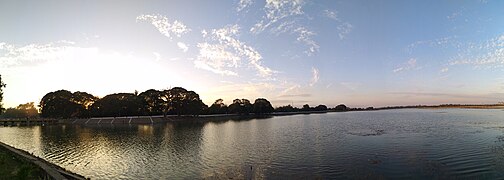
(84, 99)
(240, 106)
(153, 102)
(306, 107)
(341, 107)
(192, 104)
(218, 107)
(60, 104)
(287, 108)
(321, 108)
(179, 101)
(262, 106)
(27, 110)
(116, 105)
(2, 85)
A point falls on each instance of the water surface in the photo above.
(412, 143)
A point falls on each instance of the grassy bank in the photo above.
(13, 166)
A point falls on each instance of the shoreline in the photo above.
(52, 170)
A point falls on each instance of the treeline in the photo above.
(175, 101)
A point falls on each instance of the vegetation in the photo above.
(175, 101)
(27, 110)
(2, 85)
(14, 167)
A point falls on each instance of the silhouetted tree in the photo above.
(262, 106)
(60, 104)
(218, 107)
(321, 108)
(179, 101)
(240, 106)
(153, 102)
(287, 108)
(27, 110)
(341, 107)
(306, 107)
(120, 104)
(2, 85)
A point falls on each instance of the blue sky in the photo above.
(360, 53)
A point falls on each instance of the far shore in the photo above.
(222, 117)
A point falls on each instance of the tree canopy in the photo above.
(27, 110)
(174, 101)
(262, 106)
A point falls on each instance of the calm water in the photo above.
(380, 144)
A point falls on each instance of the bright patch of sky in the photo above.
(361, 53)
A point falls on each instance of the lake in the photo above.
(407, 143)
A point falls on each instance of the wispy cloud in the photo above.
(280, 18)
(443, 42)
(242, 4)
(343, 27)
(182, 46)
(164, 26)
(227, 52)
(489, 54)
(331, 14)
(277, 10)
(12, 55)
(315, 76)
(305, 36)
(444, 70)
(410, 65)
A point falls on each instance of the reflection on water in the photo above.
(378, 144)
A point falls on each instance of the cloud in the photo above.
(12, 55)
(287, 16)
(411, 64)
(443, 42)
(182, 46)
(242, 4)
(277, 10)
(331, 14)
(164, 26)
(344, 29)
(315, 76)
(226, 51)
(489, 54)
(305, 36)
(444, 70)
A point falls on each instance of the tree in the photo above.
(306, 107)
(179, 101)
(262, 106)
(65, 104)
(341, 107)
(2, 85)
(321, 108)
(27, 110)
(218, 107)
(240, 106)
(153, 102)
(287, 108)
(116, 105)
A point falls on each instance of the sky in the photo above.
(356, 52)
